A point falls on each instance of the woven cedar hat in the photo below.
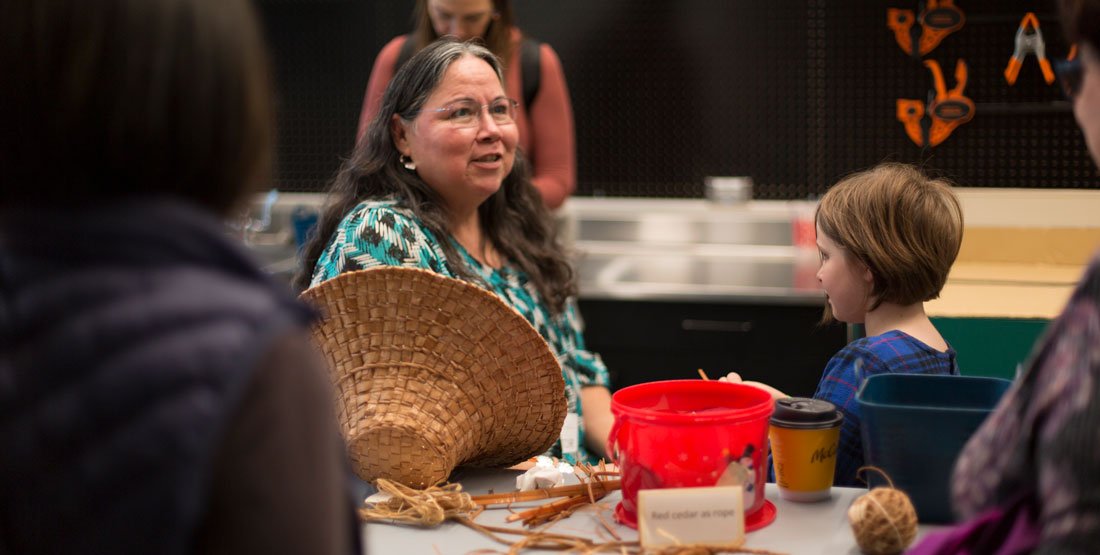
(432, 372)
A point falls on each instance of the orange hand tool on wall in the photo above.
(939, 19)
(950, 108)
(1029, 43)
(910, 113)
(946, 110)
(901, 22)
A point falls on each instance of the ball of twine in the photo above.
(883, 520)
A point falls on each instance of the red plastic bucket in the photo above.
(689, 433)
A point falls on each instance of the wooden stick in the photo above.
(477, 511)
(533, 495)
(703, 375)
(549, 508)
(608, 527)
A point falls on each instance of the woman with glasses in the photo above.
(1027, 480)
(533, 76)
(439, 184)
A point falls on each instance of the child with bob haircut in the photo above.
(887, 238)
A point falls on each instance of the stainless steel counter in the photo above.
(637, 248)
(693, 250)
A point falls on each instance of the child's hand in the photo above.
(734, 377)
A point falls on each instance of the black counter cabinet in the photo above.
(648, 340)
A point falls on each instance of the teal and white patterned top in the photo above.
(381, 233)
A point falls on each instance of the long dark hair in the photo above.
(514, 219)
(498, 36)
(1081, 21)
(124, 98)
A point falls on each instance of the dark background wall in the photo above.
(795, 93)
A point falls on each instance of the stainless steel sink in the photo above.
(690, 249)
(674, 228)
(268, 229)
(684, 221)
(786, 279)
(688, 269)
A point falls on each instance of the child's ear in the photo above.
(867, 275)
(869, 280)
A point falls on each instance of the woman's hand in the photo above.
(596, 404)
(734, 377)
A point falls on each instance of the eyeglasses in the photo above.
(467, 113)
(1069, 75)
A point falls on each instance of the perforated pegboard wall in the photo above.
(795, 93)
(1022, 135)
(322, 51)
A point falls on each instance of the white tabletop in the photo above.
(798, 528)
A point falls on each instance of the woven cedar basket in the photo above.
(432, 372)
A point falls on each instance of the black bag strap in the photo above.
(530, 57)
(406, 52)
(532, 69)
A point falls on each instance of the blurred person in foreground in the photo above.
(439, 184)
(533, 76)
(158, 392)
(1027, 480)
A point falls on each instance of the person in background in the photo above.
(439, 184)
(1029, 473)
(544, 114)
(887, 239)
(158, 392)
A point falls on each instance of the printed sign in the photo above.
(713, 516)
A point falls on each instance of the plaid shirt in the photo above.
(892, 352)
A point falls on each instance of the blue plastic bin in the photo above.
(914, 427)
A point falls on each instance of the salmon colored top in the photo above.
(545, 127)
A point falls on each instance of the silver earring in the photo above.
(407, 162)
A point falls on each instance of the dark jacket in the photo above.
(128, 336)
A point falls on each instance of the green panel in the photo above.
(990, 346)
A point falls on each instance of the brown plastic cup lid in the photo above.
(805, 413)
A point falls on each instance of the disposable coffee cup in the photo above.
(804, 434)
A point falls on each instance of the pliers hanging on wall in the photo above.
(1029, 43)
(946, 110)
(938, 19)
